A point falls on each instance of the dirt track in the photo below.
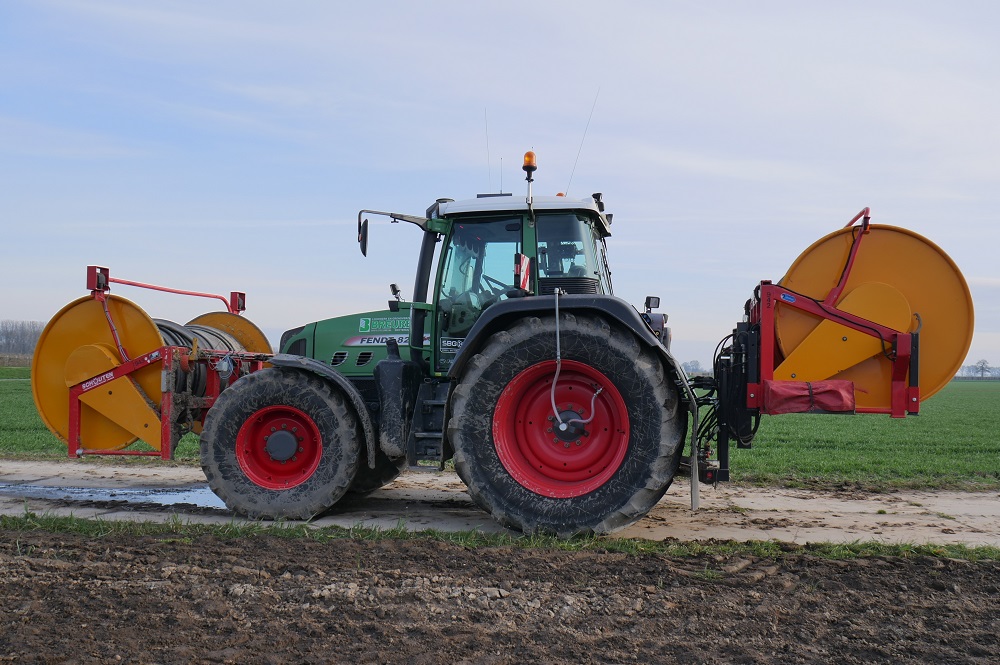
(439, 501)
(66, 598)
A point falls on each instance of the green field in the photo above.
(24, 435)
(954, 443)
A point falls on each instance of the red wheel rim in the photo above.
(526, 435)
(279, 447)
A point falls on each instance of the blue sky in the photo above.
(229, 145)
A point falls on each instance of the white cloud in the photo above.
(724, 166)
(21, 138)
(727, 137)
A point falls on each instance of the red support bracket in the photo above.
(97, 278)
(903, 347)
(905, 391)
(237, 302)
(175, 361)
(75, 447)
(865, 216)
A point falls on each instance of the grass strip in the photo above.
(178, 530)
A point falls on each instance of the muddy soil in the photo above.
(72, 599)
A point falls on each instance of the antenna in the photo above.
(571, 173)
(489, 170)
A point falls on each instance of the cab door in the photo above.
(476, 270)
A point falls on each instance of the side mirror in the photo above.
(652, 302)
(363, 237)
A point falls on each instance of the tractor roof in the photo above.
(508, 202)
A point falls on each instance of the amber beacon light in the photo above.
(529, 163)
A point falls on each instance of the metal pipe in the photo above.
(229, 306)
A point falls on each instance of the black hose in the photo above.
(208, 339)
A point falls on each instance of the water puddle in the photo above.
(201, 497)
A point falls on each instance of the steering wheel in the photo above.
(495, 286)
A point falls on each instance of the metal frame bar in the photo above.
(99, 279)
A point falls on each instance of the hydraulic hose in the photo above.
(555, 380)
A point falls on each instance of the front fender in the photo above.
(352, 394)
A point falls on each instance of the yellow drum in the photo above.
(899, 279)
(243, 330)
(78, 344)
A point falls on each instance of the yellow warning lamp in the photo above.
(529, 164)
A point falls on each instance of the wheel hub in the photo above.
(568, 430)
(281, 445)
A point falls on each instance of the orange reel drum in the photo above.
(899, 279)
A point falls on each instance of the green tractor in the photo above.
(560, 404)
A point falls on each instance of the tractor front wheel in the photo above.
(598, 459)
(280, 443)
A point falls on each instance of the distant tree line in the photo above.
(18, 338)
(981, 369)
(692, 367)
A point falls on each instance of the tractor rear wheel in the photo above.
(606, 464)
(280, 443)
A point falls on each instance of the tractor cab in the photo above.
(474, 254)
(497, 247)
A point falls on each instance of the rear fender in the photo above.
(351, 393)
(500, 316)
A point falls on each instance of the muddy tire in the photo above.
(280, 443)
(533, 476)
(386, 470)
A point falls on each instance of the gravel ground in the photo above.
(71, 599)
